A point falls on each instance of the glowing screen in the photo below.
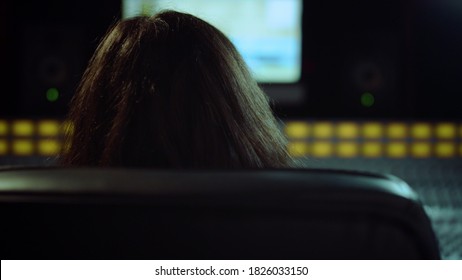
(267, 33)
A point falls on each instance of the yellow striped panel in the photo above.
(17, 138)
(48, 147)
(48, 128)
(396, 149)
(297, 129)
(347, 149)
(372, 130)
(323, 130)
(445, 130)
(445, 149)
(347, 130)
(421, 149)
(421, 131)
(67, 127)
(23, 147)
(322, 149)
(397, 130)
(3, 128)
(372, 149)
(23, 128)
(298, 149)
(3, 147)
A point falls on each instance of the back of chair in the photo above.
(159, 214)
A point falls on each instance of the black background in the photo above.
(407, 53)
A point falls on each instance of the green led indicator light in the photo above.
(52, 94)
(367, 99)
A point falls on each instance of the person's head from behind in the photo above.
(171, 91)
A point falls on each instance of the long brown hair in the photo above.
(171, 91)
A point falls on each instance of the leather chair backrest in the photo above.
(243, 214)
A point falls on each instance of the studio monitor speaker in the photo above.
(52, 61)
(357, 53)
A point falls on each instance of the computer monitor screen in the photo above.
(267, 33)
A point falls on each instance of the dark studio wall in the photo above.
(437, 57)
(47, 46)
(356, 48)
(405, 53)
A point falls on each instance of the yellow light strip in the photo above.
(322, 149)
(396, 149)
(298, 149)
(421, 131)
(298, 129)
(4, 128)
(397, 131)
(23, 128)
(345, 139)
(347, 130)
(49, 128)
(3, 147)
(67, 127)
(446, 130)
(421, 149)
(372, 149)
(323, 130)
(348, 149)
(372, 130)
(48, 147)
(23, 148)
(445, 149)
